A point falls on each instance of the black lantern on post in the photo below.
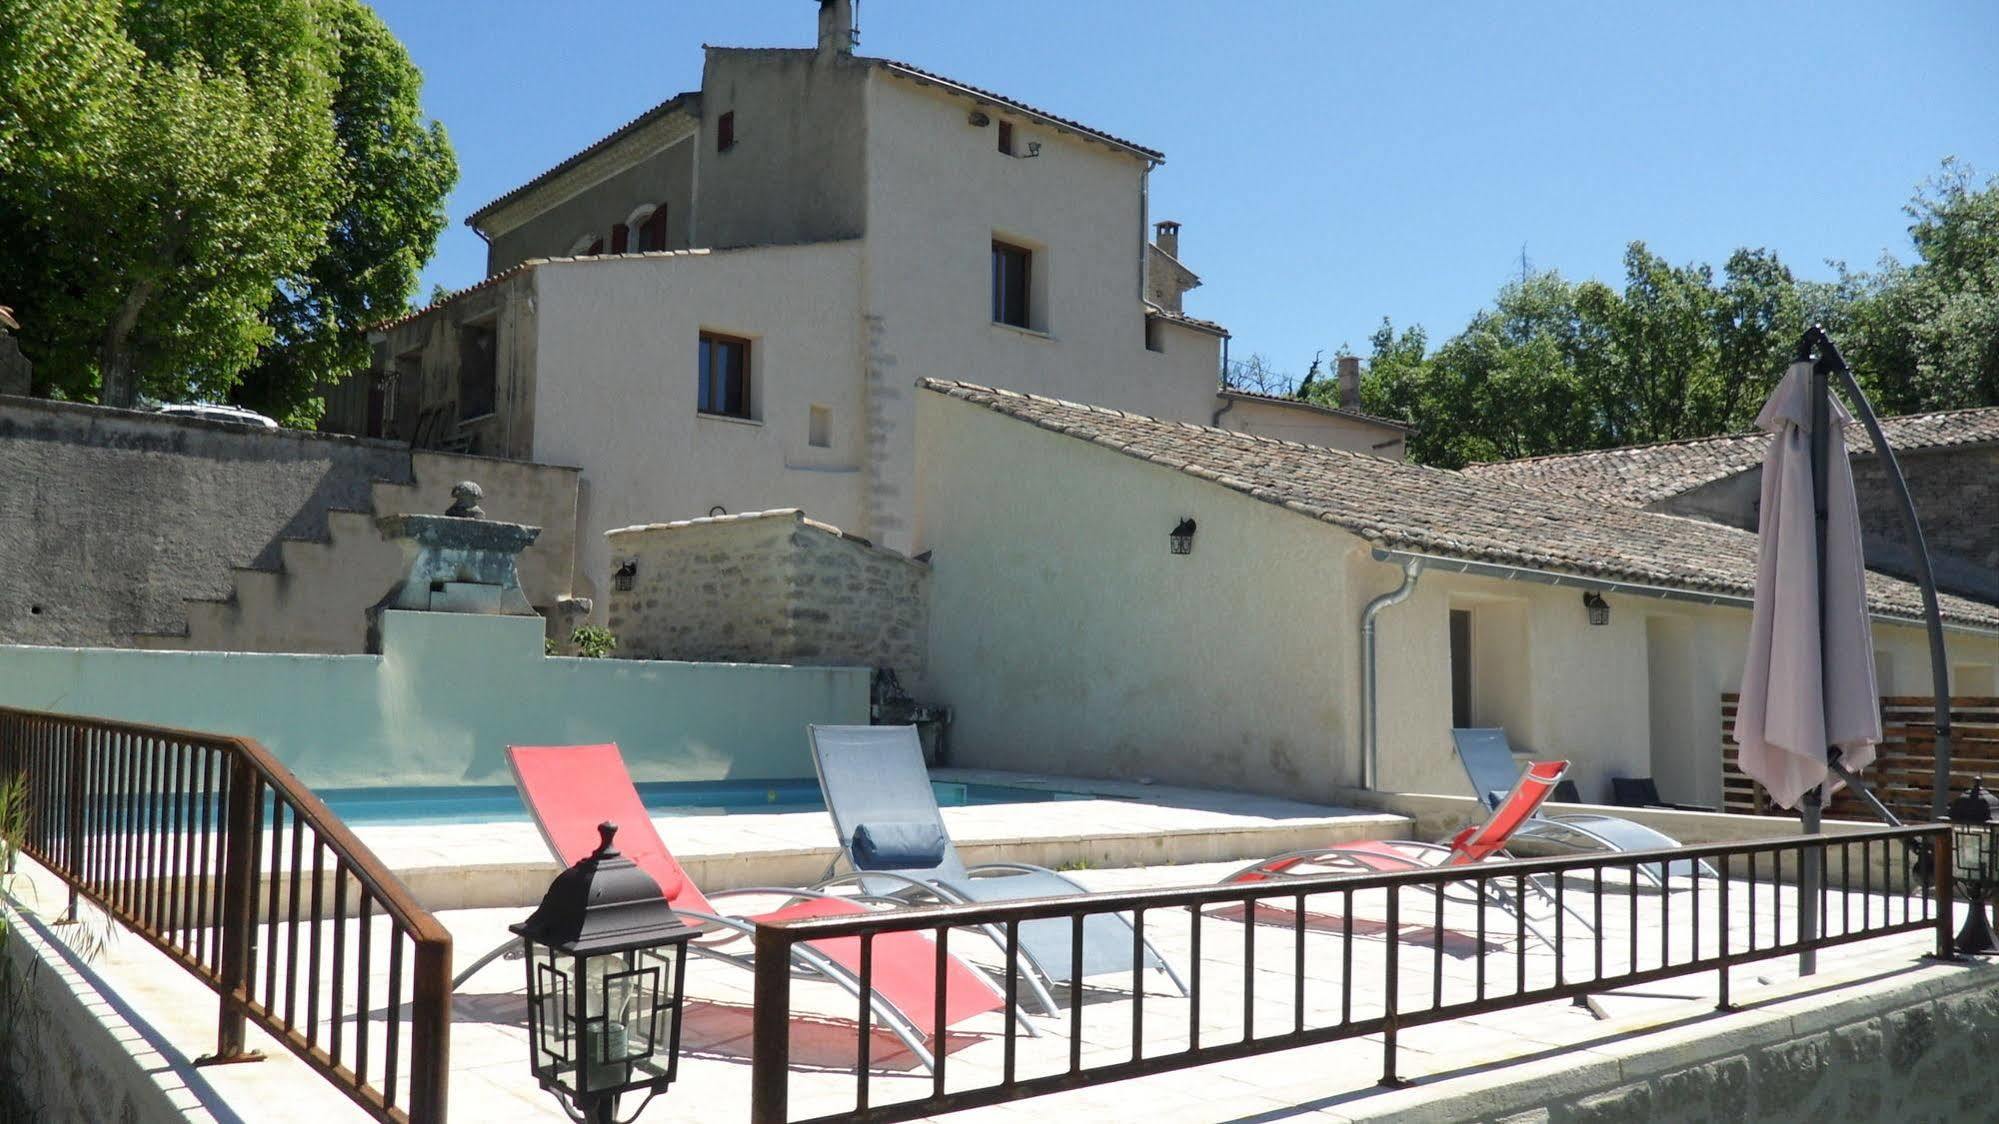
(1974, 831)
(606, 961)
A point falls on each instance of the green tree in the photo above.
(190, 188)
(395, 168)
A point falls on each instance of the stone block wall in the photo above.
(766, 587)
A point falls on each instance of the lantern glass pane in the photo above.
(551, 1014)
(632, 1027)
(1973, 854)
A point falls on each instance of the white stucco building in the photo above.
(1069, 637)
(726, 303)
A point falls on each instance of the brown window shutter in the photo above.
(1006, 137)
(725, 131)
(619, 235)
(652, 236)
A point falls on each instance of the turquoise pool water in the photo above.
(375, 807)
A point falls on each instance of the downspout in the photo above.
(1223, 380)
(1370, 722)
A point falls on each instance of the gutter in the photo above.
(1506, 572)
(1370, 722)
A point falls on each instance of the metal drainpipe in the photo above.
(1369, 711)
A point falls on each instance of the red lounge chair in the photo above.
(571, 789)
(1474, 844)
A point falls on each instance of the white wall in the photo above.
(447, 696)
(617, 389)
(1069, 640)
(938, 194)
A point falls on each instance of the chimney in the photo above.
(1166, 235)
(836, 27)
(1349, 382)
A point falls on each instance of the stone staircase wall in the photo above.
(125, 529)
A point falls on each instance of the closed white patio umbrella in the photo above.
(1809, 713)
(1808, 682)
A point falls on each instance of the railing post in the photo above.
(73, 858)
(1941, 871)
(239, 858)
(430, 1032)
(770, 1029)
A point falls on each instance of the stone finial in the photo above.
(465, 497)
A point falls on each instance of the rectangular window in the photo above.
(620, 238)
(819, 431)
(1010, 265)
(725, 131)
(652, 234)
(1153, 335)
(725, 375)
(1006, 137)
(1460, 668)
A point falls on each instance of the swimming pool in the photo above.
(379, 807)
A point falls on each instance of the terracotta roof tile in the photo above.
(922, 75)
(1646, 474)
(664, 108)
(1414, 508)
(1318, 407)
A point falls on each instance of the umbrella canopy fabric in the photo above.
(1802, 691)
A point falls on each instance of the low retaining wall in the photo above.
(1913, 1047)
(446, 697)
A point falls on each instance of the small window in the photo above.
(478, 371)
(1010, 265)
(621, 236)
(819, 433)
(1154, 335)
(652, 233)
(725, 375)
(1006, 137)
(725, 131)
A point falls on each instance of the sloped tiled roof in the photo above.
(922, 75)
(670, 105)
(1318, 408)
(1645, 474)
(1414, 508)
(1182, 318)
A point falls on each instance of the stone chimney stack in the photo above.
(1349, 382)
(836, 28)
(1166, 235)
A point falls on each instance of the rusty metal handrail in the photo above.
(216, 855)
(1925, 901)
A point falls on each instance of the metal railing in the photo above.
(1729, 906)
(210, 850)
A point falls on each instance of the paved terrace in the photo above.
(1461, 1069)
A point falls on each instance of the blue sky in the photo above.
(1336, 162)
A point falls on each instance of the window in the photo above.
(1010, 284)
(1460, 668)
(1006, 137)
(725, 131)
(819, 432)
(621, 236)
(725, 375)
(478, 371)
(652, 232)
(1154, 335)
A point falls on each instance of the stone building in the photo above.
(725, 303)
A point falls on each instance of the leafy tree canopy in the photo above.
(178, 182)
(1683, 351)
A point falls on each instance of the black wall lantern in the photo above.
(1182, 538)
(1597, 608)
(606, 963)
(622, 577)
(1974, 842)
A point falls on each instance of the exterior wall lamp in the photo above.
(1974, 831)
(623, 576)
(606, 963)
(1597, 607)
(1182, 539)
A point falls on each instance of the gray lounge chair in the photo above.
(893, 837)
(1487, 757)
